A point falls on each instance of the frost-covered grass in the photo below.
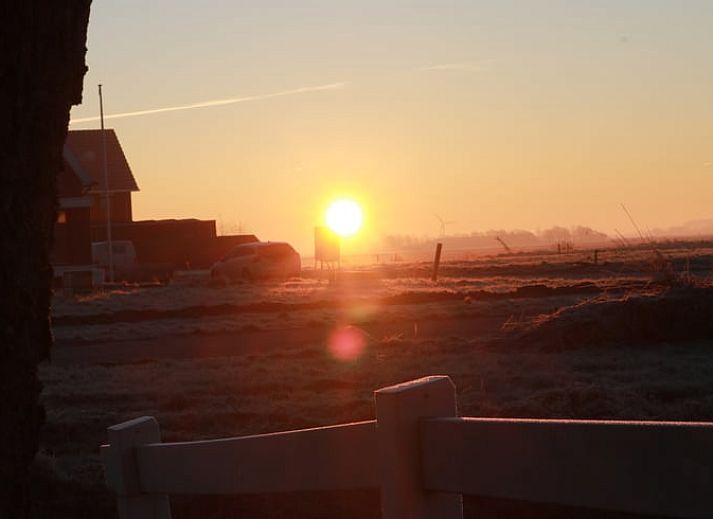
(300, 383)
(286, 388)
(493, 274)
(297, 291)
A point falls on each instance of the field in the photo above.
(530, 335)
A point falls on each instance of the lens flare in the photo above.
(347, 343)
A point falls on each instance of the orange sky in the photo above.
(491, 115)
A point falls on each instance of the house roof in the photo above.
(83, 151)
(85, 179)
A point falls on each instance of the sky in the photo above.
(490, 115)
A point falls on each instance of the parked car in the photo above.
(258, 260)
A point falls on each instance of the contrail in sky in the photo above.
(216, 102)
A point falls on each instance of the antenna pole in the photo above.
(107, 198)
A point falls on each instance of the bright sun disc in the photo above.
(344, 217)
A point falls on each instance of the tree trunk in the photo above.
(42, 48)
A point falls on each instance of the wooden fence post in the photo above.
(398, 410)
(122, 473)
(436, 262)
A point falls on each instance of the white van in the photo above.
(123, 255)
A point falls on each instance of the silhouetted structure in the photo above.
(83, 155)
(161, 245)
(72, 244)
(327, 246)
(166, 245)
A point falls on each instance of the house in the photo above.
(161, 245)
(85, 150)
(71, 254)
(82, 203)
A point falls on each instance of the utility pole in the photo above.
(106, 190)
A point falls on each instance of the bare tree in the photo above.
(42, 49)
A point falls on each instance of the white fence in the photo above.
(423, 458)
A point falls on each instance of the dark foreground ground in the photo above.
(569, 354)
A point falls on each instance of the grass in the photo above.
(672, 314)
(631, 352)
(280, 390)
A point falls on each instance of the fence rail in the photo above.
(423, 458)
(339, 457)
(660, 468)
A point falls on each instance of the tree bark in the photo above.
(42, 49)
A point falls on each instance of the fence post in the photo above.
(121, 471)
(398, 410)
(436, 262)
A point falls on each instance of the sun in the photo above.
(344, 217)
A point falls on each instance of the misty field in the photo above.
(520, 336)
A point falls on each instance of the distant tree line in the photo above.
(578, 235)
